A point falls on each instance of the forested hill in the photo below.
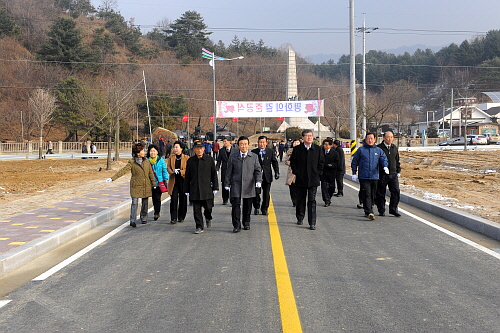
(426, 66)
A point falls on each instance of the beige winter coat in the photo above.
(142, 180)
(290, 177)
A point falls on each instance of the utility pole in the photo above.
(352, 74)
(365, 31)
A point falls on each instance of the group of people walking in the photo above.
(246, 177)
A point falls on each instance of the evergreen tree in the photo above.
(68, 114)
(165, 110)
(432, 131)
(65, 45)
(7, 25)
(187, 35)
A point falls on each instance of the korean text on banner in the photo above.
(313, 108)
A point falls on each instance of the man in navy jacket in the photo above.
(367, 161)
(267, 159)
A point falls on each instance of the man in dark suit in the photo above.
(340, 171)
(307, 163)
(267, 158)
(222, 159)
(389, 180)
(243, 176)
(329, 171)
(201, 184)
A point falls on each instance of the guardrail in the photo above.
(59, 147)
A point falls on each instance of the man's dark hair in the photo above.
(336, 142)
(371, 133)
(329, 141)
(262, 137)
(388, 132)
(137, 148)
(151, 147)
(304, 132)
(243, 138)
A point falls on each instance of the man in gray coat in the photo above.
(243, 179)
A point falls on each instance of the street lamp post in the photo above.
(210, 55)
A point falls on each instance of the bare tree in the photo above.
(43, 105)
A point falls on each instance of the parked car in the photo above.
(453, 142)
(476, 139)
(492, 138)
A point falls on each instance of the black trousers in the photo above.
(293, 194)
(215, 155)
(265, 193)
(236, 211)
(207, 211)
(368, 189)
(178, 203)
(225, 193)
(156, 199)
(327, 190)
(392, 182)
(306, 194)
(339, 179)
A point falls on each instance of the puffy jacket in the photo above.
(367, 160)
(160, 168)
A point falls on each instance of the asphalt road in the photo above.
(349, 275)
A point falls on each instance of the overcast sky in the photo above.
(321, 26)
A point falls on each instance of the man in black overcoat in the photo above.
(329, 171)
(200, 185)
(267, 159)
(340, 171)
(307, 163)
(222, 159)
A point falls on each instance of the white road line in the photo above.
(82, 252)
(5, 302)
(446, 231)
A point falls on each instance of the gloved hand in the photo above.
(276, 176)
(354, 178)
(187, 194)
(386, 170)
(258, 185)
(154, 187)
(215, 192)
(330, 165)
(109, 180)
(176, 171)
(227, 188)
(399, 175)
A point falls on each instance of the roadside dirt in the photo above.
(464, 180)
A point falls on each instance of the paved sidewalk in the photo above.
(28, 235)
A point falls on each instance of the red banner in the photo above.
(280, 118)
(185, 118)
(211, 119)
(235, 119)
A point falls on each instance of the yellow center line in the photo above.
(290, 321)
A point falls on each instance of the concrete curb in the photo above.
(472, 222)
(23, 254)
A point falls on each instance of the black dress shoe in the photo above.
(395, 214)
(235, 230)
(156, 217)
(327, 204)
(256, 211)
(180, 221)
(209, 223)
(246, 228)
(224, 202)
(144, 222)
(173, 221)
(359, 206)
(132, 224)
(381, 214)
(312, 227)
(338, 195)
(300, 222)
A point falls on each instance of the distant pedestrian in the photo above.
(168, 149)
(243, 177)
(281, 150)
(366, 162)
(141, 183)
(176, 166)
(389, 180)
(215, 149)
(161, 146)
(307, 164)
(50, 147)
(93, 149)
(208, 147)
(84, 149)
(201, 185)
(161, 176)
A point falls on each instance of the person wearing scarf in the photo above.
(161, 175)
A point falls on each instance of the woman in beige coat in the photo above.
(290, 177)
(141, 183)
(176, 166)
